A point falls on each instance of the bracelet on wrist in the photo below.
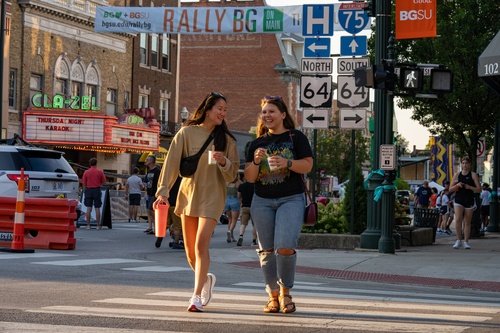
(253, 161)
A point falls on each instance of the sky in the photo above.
(416, 134)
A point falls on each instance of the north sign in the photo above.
(348, 65)
(316, 66)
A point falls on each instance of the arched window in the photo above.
(78, 78)
(93, 81)
(62, 76)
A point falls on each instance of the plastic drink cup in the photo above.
(271, 167)
(211, 160)
(161, 215)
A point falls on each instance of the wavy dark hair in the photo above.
(288, 122)
(198, 116)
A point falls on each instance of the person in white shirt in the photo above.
(485, 206)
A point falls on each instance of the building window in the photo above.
(36, 84)
(12, 88)
(92, 91)
(143, 101)
(111, 102)
(165, 51)
(126, 100)
(61, 87)
(144, 49)
(76, 89)
(163, 110)
(154, 50)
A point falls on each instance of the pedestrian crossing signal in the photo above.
(411, 79)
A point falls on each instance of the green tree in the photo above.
(464, 28)
(359, 203)
(333, 152)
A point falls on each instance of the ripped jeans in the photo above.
(278, 223)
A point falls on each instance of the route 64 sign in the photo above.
(348, 95)
(316, 91)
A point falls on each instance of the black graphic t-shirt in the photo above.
(280, 182)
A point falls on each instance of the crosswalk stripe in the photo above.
(86, 262)
(36, 255)
(296, 320)
(332, 307)
(160, 269)
(11, 327)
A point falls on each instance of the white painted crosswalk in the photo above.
(313, 312)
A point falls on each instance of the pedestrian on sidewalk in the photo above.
(485, 206)
(133, 189)
(245, 194)
(276, 162)
(151, 184)
(465, 183)
(202, 195)
(232, 207)
(92, 180)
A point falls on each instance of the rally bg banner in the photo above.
(415, 19)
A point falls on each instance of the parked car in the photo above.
(46, 171)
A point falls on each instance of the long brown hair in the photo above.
(198, 116)
(288, 122)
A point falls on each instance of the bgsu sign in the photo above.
(415, 19)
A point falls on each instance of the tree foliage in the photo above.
(359, 203)
(465, 28)
(333, 154)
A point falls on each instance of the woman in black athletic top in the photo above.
(464, 183)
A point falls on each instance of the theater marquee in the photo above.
(88, 131)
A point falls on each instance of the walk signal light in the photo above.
(411, 79)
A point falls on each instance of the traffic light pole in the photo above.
(382, 133)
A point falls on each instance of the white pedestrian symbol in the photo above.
(410, 80)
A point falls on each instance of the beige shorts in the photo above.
(245, 215)
(173, 220)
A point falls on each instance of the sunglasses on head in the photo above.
(216, 94)
(273, 98)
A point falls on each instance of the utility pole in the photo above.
(382, 129)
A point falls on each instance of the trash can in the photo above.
(426, 218)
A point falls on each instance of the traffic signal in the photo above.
(441, 80)
(376, 76)
(370, 8)
(411, 79)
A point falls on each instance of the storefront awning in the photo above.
(161, 155)
(489, 64)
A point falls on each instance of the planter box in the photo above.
(329, 241)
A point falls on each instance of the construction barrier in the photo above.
(48, 223)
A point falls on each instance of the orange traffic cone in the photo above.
(17, 244)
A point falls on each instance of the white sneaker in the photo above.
(466, 246)
(208, 287)
(457, 245)
(195, 304)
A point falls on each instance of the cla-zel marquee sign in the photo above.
(88, 130)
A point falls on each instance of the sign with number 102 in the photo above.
(316, 91)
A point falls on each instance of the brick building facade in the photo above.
(243, 67)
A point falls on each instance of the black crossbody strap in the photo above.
(308, 194)
(202, 149)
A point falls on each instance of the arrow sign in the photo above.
(356, 118)
(353, 45)
(317, 47)
(312, 118)
(315, 118)
(353, 118)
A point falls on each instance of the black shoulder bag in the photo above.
(190, 164)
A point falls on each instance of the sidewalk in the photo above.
(433, 265)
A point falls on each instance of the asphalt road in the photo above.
(118, 281)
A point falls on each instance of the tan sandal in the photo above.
(272, 305)
(286, 307)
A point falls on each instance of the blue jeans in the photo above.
(278, 223)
